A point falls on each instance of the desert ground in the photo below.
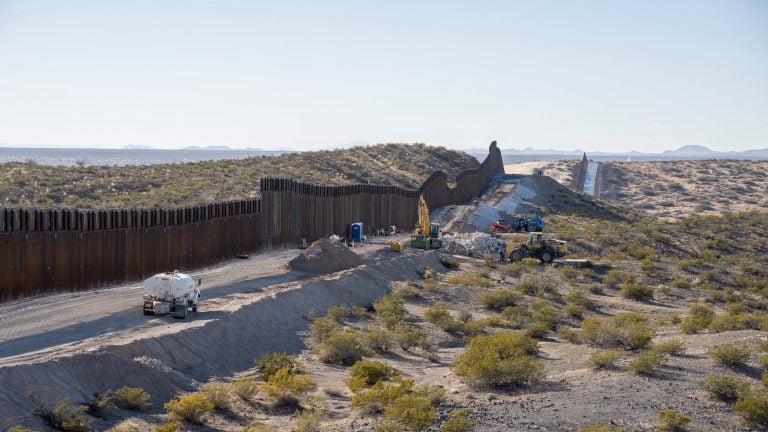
(629, 328)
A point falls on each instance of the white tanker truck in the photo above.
(171, 292)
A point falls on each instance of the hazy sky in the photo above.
(610, 76)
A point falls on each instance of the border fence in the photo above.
(64, 250)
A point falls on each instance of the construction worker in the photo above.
(502, 251)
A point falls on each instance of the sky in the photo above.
(590, 75)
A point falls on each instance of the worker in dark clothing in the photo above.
(502, 251)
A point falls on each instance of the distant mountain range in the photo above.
(697, 150)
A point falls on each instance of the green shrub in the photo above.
(270, 363)
(569, 335)
(190, 407)
(603, 360)
(380, 395)
(309, 421)
(378, 340)
(763, 362)
(391, 310)
(753, 407)
(729, 354)
(408, 337)
(498, 299)
(612, 278)
(459, 421)
(20, 428)
(169, 426)
(628, 330)
(533, 285)
(500, 359)
(101, 402)
(579, 297)
(573, 310)
(338, 312)
(764, 379)
(724, 387)
(672, 420)
(439, 316)
(65, 417)
(341, 347)
(470, 279)
(366, 373)
(258, 427)
(285, 387)
(673, 347)
(132, 398)
(636, 291)
(322, 327)
(244, 388)
(646, 362)
(218, 394)
(699, 318)
(414, 412)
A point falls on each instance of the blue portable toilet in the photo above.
(356, 231)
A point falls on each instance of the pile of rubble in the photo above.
(476, 244)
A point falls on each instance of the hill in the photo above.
(176, 185)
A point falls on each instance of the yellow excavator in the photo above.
(426, 235)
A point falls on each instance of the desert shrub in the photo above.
(408, 337)
(341, 347)
(612, 278)
(100, 403)
(674, 347)
(338, 312)
(447, 261)
(724, 387)
(377, 340)
(500, 359)
(439, 316)
(190, 407)
(169, 426)
(309, 421)
(753, 407)
(699, 318)
(414, 412)
(128, 426)
(322, 327)
(20, 428)
(270, 363)
(628, 330)
(636, 291)
(639, 251)
(366, 373)
(573, 310)
(533, 285)
(458, 421)
(391, 310)
(729, 354)
(470, 279)
(530, 262)
(682, 283)
(672, 420)
(646, 362)
(518, 316)
(569, 335)
(603, 360)
(764, 379)
(433, 392)
(133, 398)
(763, 362)
(474, 327)
(600, 427)
(284, 387)
(64, 416)
(258, 427)
(578, 297)
(218, 394)
(498, 299)
(380, 395)
(244, 388)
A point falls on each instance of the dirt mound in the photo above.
(324, 256)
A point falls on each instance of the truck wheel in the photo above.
(516, 255)
(181, 312)
(547, 256)
(531, 227)
(194, 308)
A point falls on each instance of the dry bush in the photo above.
(190, 407)
(218, 394)
(628, 330)
(699, 318)
(64, 416)
(672, 421)
(366, 373)
(459, 421)
(341, 347)
(133, 398)
(603, 360)
(408, 337)
(730, 354)
(724, 387)
(309, 420)
(413, 412)
(270, 363)
(244, 388)
(673, 347)
(636, 291)
(647, 362)
(169, 426)
(499, 299)
(753, 407)
(476, 279)
(500, 359)
(378, 340)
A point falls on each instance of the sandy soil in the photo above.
(675, 189)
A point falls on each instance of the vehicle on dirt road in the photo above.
(426, 235)
(171, 293)
(545, 250)
(532, 224)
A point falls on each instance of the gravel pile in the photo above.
(475, 244)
